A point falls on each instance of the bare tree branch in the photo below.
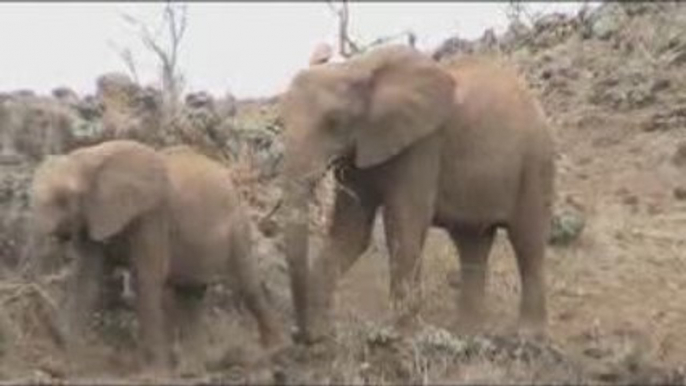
(517, 10)
(126, 56)
(411, 39)
(346, 46)
(165, 43)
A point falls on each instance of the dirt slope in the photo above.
(613, 82)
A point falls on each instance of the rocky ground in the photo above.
(612, 80)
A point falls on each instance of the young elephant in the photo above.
(172, 216)
(463, 146)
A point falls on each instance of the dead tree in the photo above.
(165, 45)
(519, 12)
(126, 56)
(411, 39)
(514, 11)
(347, 46)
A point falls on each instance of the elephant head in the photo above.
(56, 189)
(98, 190)
(367, 109)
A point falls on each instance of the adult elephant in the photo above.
(462, 146)
(172, 216)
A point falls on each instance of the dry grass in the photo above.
(615, 295)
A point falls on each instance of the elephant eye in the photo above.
(335, 121)
(61, 201)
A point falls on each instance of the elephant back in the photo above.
(202, 197)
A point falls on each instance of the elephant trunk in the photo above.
(300, 179)
(296, 239)
(83, 293)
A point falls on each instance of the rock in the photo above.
(630, 200)
(200, 100)
(679, 157)
(23, 94)
(680, 193)
(65, 95)
(149, 99)
(660, 84)
(567, 226)
(89, 108)
(452, 47)
(116, 90)
(130, 111)
(666, 120)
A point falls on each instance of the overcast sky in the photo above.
(251, 49)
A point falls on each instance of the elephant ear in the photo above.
(126, 183)
(410, 98)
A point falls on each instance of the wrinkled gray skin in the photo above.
(462, 146)
(172, 217)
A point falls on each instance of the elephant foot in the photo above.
(470, 326)
(273, 338)
(153, 374)
(158, 363)
(406, 323)
(532, 328)
(272, 356)
(320, 329)
(405, 316)
(472, 320)
(189, 367)
(304, 337)
(75, 348)
(153, 368)
(274, 347)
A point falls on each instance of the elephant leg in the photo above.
(406, 229)
(528, 235)
(473, 248)
(150, 259)
(348, 238)
(247, 285)
(172, 314)
(410, 185)
(409, 202)
(189, 301)
(183, 310)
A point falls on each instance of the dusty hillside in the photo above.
(612, 81)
